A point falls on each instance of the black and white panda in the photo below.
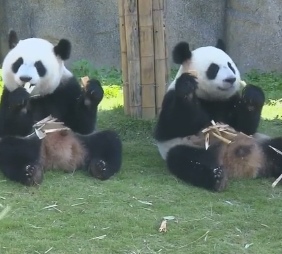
(205, 89)
(52, 90)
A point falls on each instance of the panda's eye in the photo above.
(212, 71)
(16, 65)
(231, 67)
(40, 68)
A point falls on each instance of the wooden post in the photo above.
(146, 37)
(133, 56)
(123, 57)
(162, 69)
(144, 56)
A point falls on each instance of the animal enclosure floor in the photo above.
(74, 213)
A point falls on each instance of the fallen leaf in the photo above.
(169, 218)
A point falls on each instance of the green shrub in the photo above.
(1, 82)
(112, 91)
(107, 77)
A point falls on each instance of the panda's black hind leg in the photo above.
(19, 160)
(104, 154)
(273, 158)
(198, 167)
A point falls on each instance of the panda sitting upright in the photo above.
(52, 91)
(206, 89)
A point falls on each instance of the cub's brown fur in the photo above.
(62, 150)
(242, 158)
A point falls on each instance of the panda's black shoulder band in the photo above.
(181, 53)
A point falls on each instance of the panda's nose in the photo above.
(230, 80)
(25, 78)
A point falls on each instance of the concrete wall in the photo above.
(251, 28)
(254, 33)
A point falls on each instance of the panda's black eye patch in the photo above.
(16, 65)
(231, 67)
(212, 71)
(40, 68)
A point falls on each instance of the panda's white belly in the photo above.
(165, 146)
(194, 140)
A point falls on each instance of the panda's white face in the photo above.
(33, 60)
(217, 75)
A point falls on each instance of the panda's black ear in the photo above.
(220, 45)
(63, 49)
(181, 53)
(12, 39)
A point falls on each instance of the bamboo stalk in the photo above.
(147, 58)
(166, 47)
(123, 57)
(133, 56)
(161, 52)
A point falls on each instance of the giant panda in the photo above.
(206, 89)
(37, 84)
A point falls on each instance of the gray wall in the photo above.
(251, 28)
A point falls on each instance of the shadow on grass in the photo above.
(128, 127)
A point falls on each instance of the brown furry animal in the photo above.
(240, 155)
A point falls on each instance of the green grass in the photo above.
(243, 219)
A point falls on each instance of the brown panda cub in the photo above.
(240, 155)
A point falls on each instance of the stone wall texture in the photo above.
(252, 29)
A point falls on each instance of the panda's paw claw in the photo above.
(34, 175)
(219, 178)
(97, 169)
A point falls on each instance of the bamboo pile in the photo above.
(144, 56)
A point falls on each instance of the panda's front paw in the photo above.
(253, 97)
(186, 86)
(34, 175)
(19, 98)
(94, 92)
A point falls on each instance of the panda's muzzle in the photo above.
(230, 80)
(25, 79)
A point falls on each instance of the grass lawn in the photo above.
(123, 215)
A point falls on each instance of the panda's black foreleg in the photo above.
(84, 118)
(249, 109)
(197, 166)
(19, 159)
(104, 154)
(15, 114)
(181, 113)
